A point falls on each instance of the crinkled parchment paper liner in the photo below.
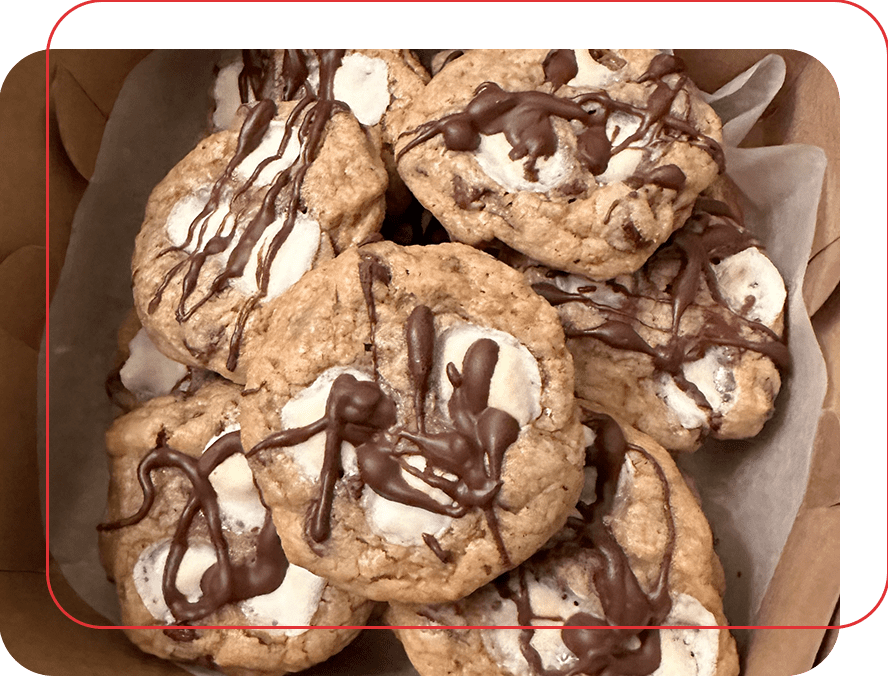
(751, 491)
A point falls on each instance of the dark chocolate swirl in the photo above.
(526, 118)
(224, 582)
(469, 446)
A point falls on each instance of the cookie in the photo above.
(244, 215)
(586, 160)
(691, 345)
(637, 553)
(411, 421)
(189, 543)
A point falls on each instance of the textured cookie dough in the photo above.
(586, 160)
(243, 216)
(687, 347)
(638, 552)
(190, 445)
(419, 454)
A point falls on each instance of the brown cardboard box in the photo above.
(83, 88)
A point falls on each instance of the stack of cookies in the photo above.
(421, 341)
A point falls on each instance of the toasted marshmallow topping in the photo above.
(147, 372)
(516, 385)
(752, 286)
(362, 82)
(493, 157)
(294, 603)
(148, 576)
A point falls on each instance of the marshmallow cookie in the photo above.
(189, 542)
(411, 423)
(246, 213)
(689, 346)
(637, 553)
(586, 160)
(377, 85)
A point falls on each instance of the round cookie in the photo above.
(690, 345)
(637, 553)
(378, 86)
(242, 217)
(411, 421)
(189, 542)
(586, 160)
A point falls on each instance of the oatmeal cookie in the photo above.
(190, 544)
(586, 160)
(411, 421)
(637, 553)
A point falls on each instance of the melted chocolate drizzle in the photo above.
(599, 652)
(712, 233)
(470, 446)
(224, 582)
(526, 119)
(283, 196)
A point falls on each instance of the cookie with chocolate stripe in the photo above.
(586, 160)
(410, 420)
(637, 553)
(189, 543)
(246, 213)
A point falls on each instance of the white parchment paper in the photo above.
(751, 490)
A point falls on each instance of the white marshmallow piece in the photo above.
(621, 166)
(689, 415)
(590, 73)
(294, 258)
(688, 651)
(403, 524)
(293, 604)
(147, 372)
(516, 385)
(307, 407)
(362, 83)
(148, 576)
(239, 503)
(226, 93)
(492, 156)
(184, 212)
(747, 275)
(714, 379)
(268, 147)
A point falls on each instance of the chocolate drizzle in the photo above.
(225, 581)
(283, 197)
(526, 118)
(711, 234)
(630, 648)
(469, 446)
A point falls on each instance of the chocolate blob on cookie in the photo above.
(410, 421)
(586, 160)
